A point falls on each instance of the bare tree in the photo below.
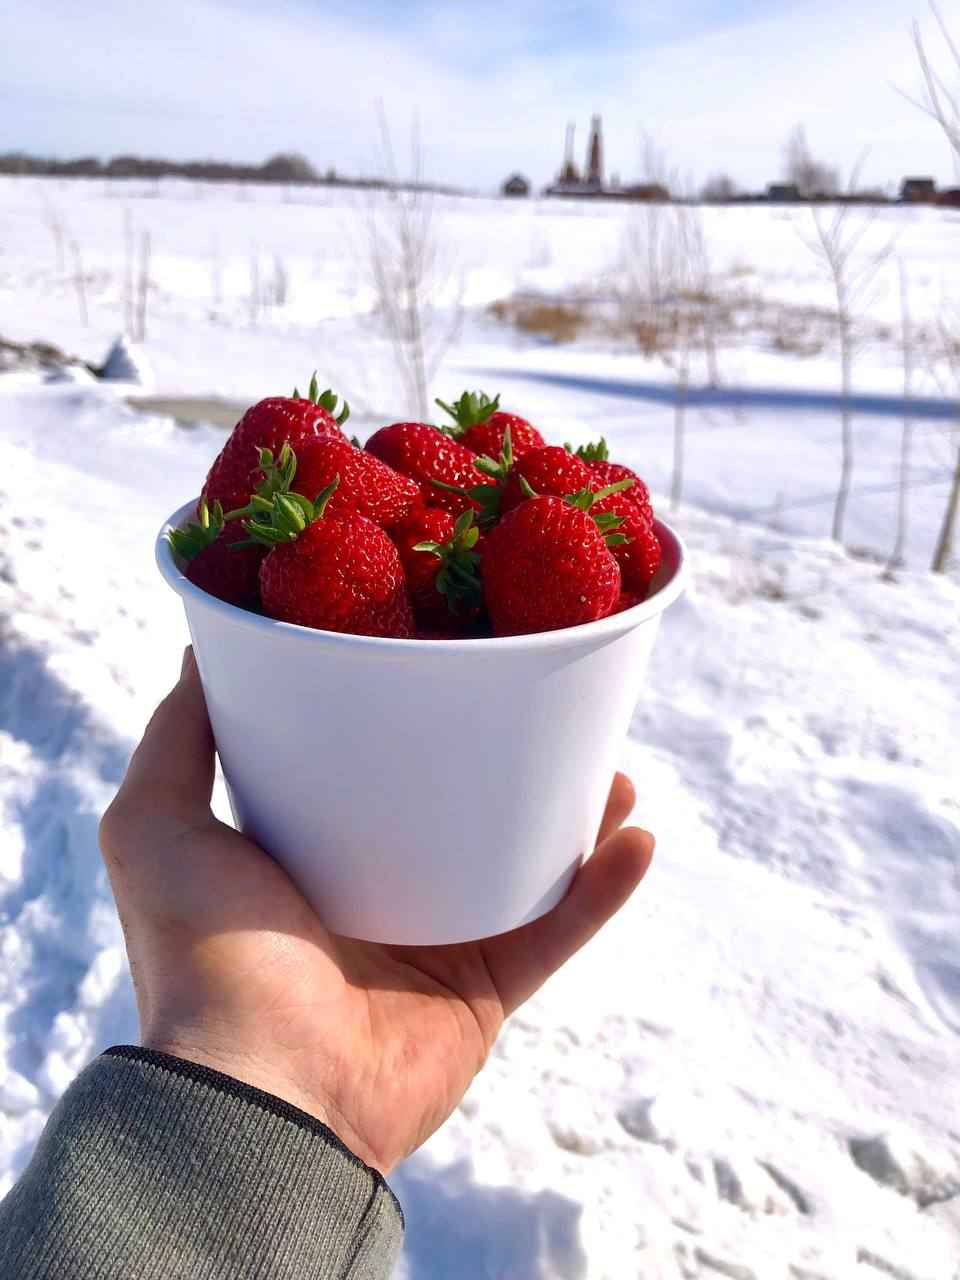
(943, 552)
(408, 275)
(55, 223)
(79, 281)
(946, 371)
(256, 292)
(719, 188)
(836, 242)
(811, 177)
(128, 270)
(941, 103)
(907, 346)
(143, 287)
(668, 296)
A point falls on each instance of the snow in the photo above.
(755, 1070)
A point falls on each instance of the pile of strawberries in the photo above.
(474, 529)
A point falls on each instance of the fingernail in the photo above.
(189, 661)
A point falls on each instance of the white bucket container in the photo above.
(421, 791)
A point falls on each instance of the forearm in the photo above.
(154, 1167)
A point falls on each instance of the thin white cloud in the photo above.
(207, 77)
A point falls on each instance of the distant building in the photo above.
(570, 181)
(516, 185)
(950, 197)
(590, 184)
(918, 191)
(654, 191)
(595, 155)
(783, 192)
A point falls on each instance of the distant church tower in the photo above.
(595, 154)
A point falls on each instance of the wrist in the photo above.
(253, 1069)
(248, 1068)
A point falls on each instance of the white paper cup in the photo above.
(421, 791)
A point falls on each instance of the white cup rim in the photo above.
(616, 624)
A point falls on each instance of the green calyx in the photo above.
(497, 469)
(324, 399)
(606, 522)
(191, 540)
(591, 452)
(278, 477)
(486, 496)
(470, 410)
(458, 579)
(285, 517)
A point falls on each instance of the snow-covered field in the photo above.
(690, 1097)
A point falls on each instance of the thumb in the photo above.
(170, 776)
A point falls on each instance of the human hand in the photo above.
(233, 969)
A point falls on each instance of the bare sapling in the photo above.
(143, 288)
(281, 283)
(942, 104)
(55, 224)
(256, 293)
(837, 242)
(409, 276)
(907, 348)
(216, 275)
(948, 361)
(128, 273)
(668, 299)
(79, 281)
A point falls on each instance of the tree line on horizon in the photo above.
(285, 168)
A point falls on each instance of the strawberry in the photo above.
(440, 562)
(547, 471)
(333, 572)
(219, 559)
(640, 554)
(627, 600)
(270, 424)
(426, 455)
(480, 425)
(368, 487)
(597, 458)
(547, 565)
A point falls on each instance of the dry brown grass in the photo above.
(561, 321)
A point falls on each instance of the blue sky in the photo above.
(718, 85)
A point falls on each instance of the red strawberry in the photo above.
(546, 565)
(215, 563)
(333, 572)
(269, 425)
(368, 487)
(480, 426)
(640, 555)
(597, 458)
(627, 600)
(423, 453)
(547, 471)
(440, 562)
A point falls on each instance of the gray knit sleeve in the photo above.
(159, 1169)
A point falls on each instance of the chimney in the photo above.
(569, 171)
(595, 154)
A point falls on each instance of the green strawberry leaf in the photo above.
(189, 541)
(470, 410)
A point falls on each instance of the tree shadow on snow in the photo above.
(457, 1228)
(780, 398)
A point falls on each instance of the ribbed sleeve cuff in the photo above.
(154, 1167)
